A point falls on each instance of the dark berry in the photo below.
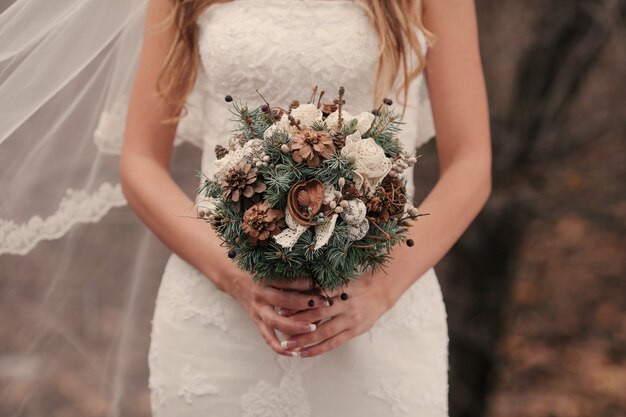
(388, 101)
(410, 242)
(265, 108)
(232, 253)
(344, 296)
(228, 98)
(311, 303)
(277, 116)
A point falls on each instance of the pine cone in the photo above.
(260, 222)
(350, 192)
(339, 141)
(220, 151)
(241, 181)
(388, 200)
(311, 146)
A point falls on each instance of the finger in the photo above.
(292, 301)
(285, 312)
(326, 346)
(301, 284)
(336, 293)
(324, 331)
(313, 315)
(286, 325)
(271, 339)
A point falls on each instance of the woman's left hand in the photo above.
(367, 299)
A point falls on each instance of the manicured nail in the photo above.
(311, 327)
(324, 302)
(295, 354)
(286, 344)
(282, 312)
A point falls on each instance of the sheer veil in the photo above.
(78, 273)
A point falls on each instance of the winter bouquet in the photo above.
(310, 191)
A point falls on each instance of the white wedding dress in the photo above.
(207, 357)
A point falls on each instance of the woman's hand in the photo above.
(367, 299)
(260, 302)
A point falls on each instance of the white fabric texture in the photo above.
(206, 355)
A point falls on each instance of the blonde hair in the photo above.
(395, 23)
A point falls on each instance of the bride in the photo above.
(221, 345)
(384, 348)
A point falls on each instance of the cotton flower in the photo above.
(371, 163)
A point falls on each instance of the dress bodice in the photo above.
(284, 48)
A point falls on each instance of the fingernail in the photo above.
(312, 327)
(324, 302)
(295, 354)
(282, 312)
(286, 344)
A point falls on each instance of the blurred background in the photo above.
(535, 290)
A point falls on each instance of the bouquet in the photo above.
(310, 191)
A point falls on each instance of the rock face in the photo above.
(534, 289)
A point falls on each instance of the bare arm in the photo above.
(455, 79)
(459, 102)
(159, 202)
(147, 151)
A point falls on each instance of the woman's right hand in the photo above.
(264, 303)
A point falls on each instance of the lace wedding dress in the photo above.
(206, 355)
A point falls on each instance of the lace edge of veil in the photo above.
(77, 206)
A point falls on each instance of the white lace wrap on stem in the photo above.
(289, 237)
(252, 148)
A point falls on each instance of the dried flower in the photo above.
(372, 165)
(311, 146)
(389, 199)
(241, 180)
(305, 200)
(260, 222)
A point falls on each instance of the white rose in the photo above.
(307, 114)
(371, 163)
(363, 120)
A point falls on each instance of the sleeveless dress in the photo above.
(206, 356)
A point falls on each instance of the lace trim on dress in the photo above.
(76, 207)
(415, 315)
(287, 399)
(109, 134)
(393, 393)
(179, 293)
(195, 384)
